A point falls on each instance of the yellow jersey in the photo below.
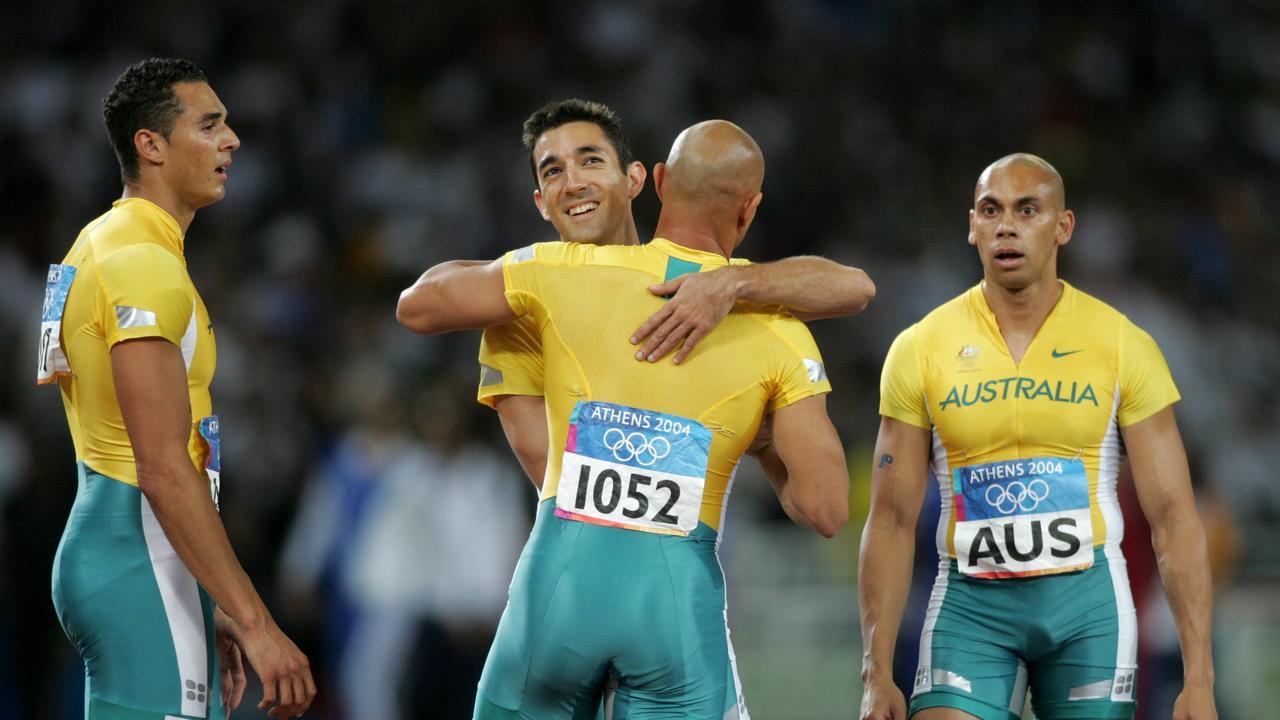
(125, 278)
(648, 446)
(1026, 454)
(511, 353)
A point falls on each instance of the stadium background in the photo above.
(376, 506)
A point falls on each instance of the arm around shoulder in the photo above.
(455, 295)
(810, 287)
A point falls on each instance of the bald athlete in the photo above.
(620, 581)
(1022, 396)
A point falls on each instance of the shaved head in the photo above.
(714, 162)
(1057, 192)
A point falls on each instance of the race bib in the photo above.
(52, 362)
(211, 432)
(633, 468)
(1022, 517)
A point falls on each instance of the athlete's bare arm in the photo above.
(898, 480)
(524, 420)
(151, 385)
(455, 295)
(810, 287)
(1163, 482)
(814, 490)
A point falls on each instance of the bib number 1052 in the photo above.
(605, 493)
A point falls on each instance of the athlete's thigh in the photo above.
(1088, 665)
(544, 661)
(970, 648)
(677, 662)
(132, 609)
(943, 713)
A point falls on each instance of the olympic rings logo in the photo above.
(635, 446)
(1017, 496)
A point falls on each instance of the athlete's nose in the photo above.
(574, 181)
(1006, 227)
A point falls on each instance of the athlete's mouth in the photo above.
(583, 208)
(1007, 254)
(222, 169)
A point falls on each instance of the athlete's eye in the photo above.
(1028, 210)
(592, 160)
(988, 211)
(550, 171)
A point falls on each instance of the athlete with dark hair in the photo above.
(145, 582)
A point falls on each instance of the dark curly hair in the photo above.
(143, 98)
(554, 114)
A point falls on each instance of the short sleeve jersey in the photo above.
(130, 282)
(511, 353)
(582, 301)
(1026, 454)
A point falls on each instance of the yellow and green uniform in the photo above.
(620, 577)
(124, 597)
(1026, 455)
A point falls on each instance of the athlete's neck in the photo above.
(163, 198)
(1021, 312)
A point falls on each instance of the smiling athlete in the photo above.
(585, 179)
(1022, 395)
(620, 578)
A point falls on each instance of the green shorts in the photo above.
(1072, 638)
(132, 609)
(594, 607)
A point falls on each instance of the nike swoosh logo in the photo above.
(1057, 354)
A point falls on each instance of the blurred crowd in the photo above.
(368, 496)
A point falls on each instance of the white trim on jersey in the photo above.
(1110, 453)
(181, 599)
(942, 472)
(189, 338)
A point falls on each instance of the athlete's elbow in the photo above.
(823, 515)
(417, 311)
(862, 290)
(830, 519)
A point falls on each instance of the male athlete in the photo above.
(1023, 395)
(620, 580)
(145, 583)
(589, 201)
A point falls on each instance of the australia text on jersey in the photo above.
(1022, 388)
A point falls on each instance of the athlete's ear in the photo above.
(541, 204)
(973, 239)
(659, 177)
(150, 146)
(635, 179)
(1066, 226)
(748, 212)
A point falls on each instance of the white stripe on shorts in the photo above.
(1127, 626)
(924, 671)
(181, 598)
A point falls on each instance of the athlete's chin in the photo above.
(586, 233)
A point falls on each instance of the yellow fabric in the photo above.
(1087, 372)
(511, 356)
(586, 299)
(129, 258)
